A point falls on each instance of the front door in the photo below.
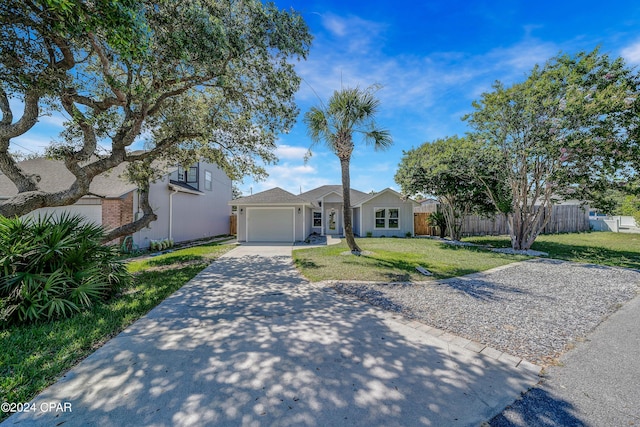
(332, 222)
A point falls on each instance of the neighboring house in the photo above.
(429, 201)
(277, 215)
(190, 204)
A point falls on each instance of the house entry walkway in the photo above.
(250, 342)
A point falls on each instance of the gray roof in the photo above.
(274, 196)
(317, 193)
(277, 196)
(54, 176)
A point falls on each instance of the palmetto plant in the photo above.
(53, 267)
(438, 219)
(350, 111)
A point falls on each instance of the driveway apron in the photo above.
(250, 342)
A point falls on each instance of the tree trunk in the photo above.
(346, 206)
(130, 228)
(525, 225)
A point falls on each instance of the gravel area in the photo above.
(534, 309)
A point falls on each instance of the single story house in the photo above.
(279, 216)
(190, 203)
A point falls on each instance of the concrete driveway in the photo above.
(249, 342)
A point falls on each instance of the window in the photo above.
(394, 219)
(190, 175)
(317, 219)
(381, 218)
(208, 180)
(387, 218)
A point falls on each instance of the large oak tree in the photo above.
(191, 79)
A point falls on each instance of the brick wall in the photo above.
(117, 212)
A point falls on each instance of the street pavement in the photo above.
(596, 384)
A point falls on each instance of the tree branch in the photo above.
(104, 62)
(127, 229)
(5, 108)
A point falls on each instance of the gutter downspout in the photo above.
(171, 213)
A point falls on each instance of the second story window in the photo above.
(192, 175)
(189, 175)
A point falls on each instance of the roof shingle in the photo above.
(54, 176)
(273, 196)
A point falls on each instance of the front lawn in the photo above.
(396, 260)
(605, 248)
(35, 356)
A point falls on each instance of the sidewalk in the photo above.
(597, 384)
(249, 342)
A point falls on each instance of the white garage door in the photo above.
(270, 225)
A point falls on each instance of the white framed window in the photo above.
(208, 180)
(317, 219)
(386, 218)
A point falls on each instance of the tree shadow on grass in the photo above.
(174, 259)
(394, 270)
(306, 263)
(578, 253)
(590, 254)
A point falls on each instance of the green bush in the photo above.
(52, 267)
(437, 219)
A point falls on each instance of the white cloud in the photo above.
(54, 119)
(334, 24)
(632, 53)
(289, 176)
(29, 143)
(290, 152)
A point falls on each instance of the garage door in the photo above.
(270, 225)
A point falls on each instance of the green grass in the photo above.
(605, 248)
(35, 356)
(204, 253)
(395, 260)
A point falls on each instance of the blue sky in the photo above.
(433, 59)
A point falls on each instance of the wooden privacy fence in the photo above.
(564, 219)
(421, 225)
(233, 225)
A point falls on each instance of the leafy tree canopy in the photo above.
(192, 79)
(568, 131)
(445, 168)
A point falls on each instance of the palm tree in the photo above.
(350, 111)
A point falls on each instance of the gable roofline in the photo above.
(271, 197)
(329, 193)
(379, 193)
(317, 194)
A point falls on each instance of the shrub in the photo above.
(437, 219)
(53, 267)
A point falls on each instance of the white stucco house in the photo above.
(190, 204)
(279, 216)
